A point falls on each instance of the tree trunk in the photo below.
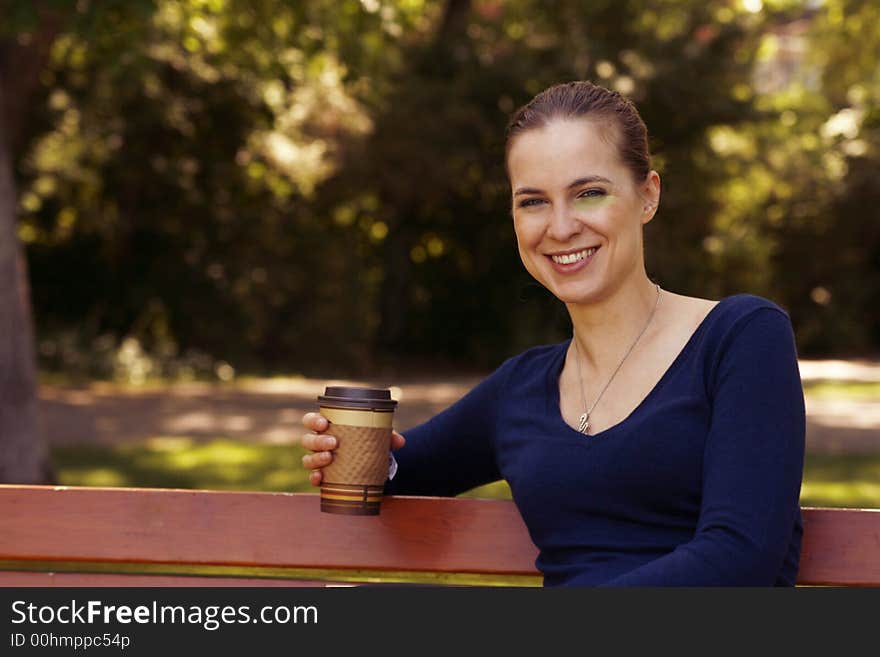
(24, 456)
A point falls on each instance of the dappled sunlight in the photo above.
(839, 370)
(169, 443)
(266, 410)
(845, 413)
(238, 423)
(223, 457)
(194, 421)
(287, 435)
(168, 462)
(295, 385)
(434, 391)
(842, 403)
(284, 480)
(74, 397)
(101, 477)
(174, 462)
(499, 490)
(437, 393)
(851, 480)
(856, 390)
(841, 493)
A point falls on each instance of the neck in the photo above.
(606, 329)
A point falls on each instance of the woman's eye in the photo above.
(530, 202)
(592, 193)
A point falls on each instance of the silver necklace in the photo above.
(584, 420)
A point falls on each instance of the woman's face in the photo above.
(577, 212)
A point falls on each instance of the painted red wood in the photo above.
(46, 579)
(841, 547)
(284, 530)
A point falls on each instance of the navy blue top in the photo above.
(698, 486)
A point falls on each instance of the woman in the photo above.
(663, 443)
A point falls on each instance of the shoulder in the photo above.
(524, 370)
(734, 329)
(525, 366)
(745, 304)
(714, 323)
(750, 329)
(734, 314)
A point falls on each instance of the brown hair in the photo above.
(582, 99)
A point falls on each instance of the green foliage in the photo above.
(252, 179)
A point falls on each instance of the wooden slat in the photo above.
(67, 525)
(48, 579)
(274, 530)
(841, 547)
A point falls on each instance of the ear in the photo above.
(650, 193)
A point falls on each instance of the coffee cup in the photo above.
(361, 421)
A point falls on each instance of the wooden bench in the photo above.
(69, 536)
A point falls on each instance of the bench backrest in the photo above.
(93, 536)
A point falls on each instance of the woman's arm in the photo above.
(454, 451)
(752, 465)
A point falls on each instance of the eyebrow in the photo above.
(575, 183)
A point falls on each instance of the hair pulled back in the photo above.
(583, 99)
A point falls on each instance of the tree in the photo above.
(251, 178)
(24, 457)
(26, 40)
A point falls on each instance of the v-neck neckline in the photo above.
(558, 364)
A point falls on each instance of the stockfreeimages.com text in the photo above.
(211, 617)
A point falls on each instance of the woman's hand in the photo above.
(322, 445)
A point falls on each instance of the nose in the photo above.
(564, 223)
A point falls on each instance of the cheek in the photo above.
(601, 215)
(610, 218)
(527, 229)
(527, 239)
(593, 206)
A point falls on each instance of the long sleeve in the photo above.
(453, 451)
(752, 465)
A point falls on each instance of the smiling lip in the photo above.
(572, 259)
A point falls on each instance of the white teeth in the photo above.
(569, 258)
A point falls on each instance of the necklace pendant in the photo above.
(584, 423)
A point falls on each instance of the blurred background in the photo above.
(209, 209)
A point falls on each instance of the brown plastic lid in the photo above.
(375, 399)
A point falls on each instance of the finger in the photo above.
(397, 440)
(317, 460)
(318, 442)
(315, 421)
(315, 477)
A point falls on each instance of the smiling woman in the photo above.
(577, 210)
(663, 444)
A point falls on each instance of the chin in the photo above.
(575, 299)
(570, 294)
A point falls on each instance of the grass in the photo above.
(177, 462)
(844, 480)
(832, 389)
